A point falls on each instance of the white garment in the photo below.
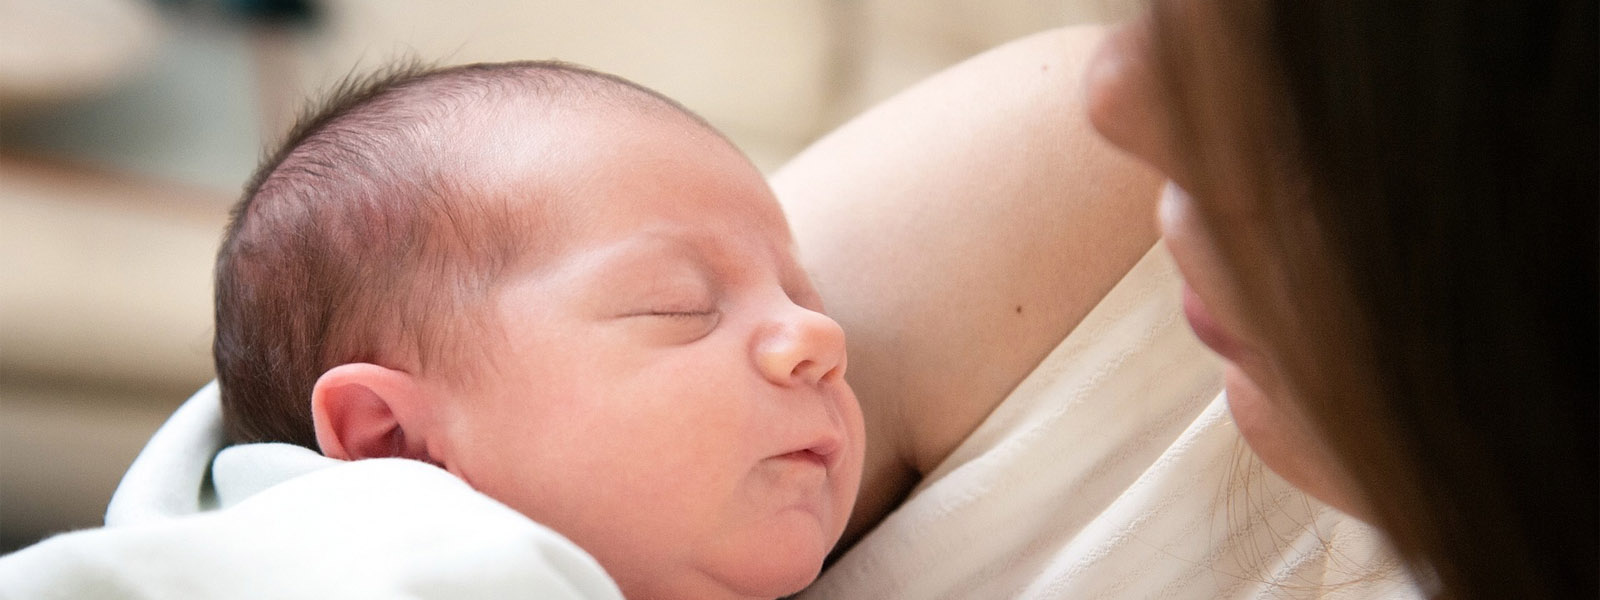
(1114, 471)
(281, 521)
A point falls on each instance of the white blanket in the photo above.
(1114, 471)
(280, 521)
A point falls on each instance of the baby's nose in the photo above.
(800, 347)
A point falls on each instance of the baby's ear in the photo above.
(362, 410)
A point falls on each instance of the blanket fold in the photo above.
(192, 520)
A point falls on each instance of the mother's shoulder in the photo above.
(958, 232)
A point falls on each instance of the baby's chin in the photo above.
(768, 562)
(764, 581)
(772, 575)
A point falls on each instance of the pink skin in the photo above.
(1124, 107)
(667, 392)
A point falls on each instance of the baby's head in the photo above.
(568, 291)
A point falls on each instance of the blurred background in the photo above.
(127, 127)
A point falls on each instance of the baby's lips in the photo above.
(822, 449)
(805, 456)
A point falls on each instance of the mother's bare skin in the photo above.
(958, 232)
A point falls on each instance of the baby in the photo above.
(564, 289)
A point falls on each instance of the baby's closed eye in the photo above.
(670, 302)
(674, 323)
(678, 314)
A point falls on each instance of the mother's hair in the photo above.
(1425, 175)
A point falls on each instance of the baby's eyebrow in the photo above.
(641, 250)
(718, 259)
(641, 257)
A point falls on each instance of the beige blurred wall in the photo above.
(125, 131)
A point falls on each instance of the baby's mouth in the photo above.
(809, 455)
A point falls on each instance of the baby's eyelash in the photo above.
(681, 314)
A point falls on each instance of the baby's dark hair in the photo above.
(358, 240)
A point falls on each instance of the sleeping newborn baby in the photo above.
(567, 291)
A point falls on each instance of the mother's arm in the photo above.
(958, 232)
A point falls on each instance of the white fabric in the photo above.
(281, 521)
(168, 478)
(1114, 471)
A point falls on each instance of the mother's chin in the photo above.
(1281, 437)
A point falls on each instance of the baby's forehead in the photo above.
(564, 158)
(580, 172)
(533, 142)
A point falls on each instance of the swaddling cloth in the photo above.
(1114, 471)
(280, 521)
